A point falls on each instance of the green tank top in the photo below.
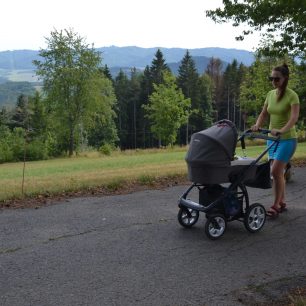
(280, 111)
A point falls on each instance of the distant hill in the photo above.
(18, 59)
(10, 91)
(140, 57)
(17, 65)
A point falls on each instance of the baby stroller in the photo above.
(221, 180)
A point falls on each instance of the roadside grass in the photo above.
(92, 170)
(297, 297)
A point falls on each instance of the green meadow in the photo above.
(92, 170)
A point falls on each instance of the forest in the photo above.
(81, 107)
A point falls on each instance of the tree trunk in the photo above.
(71, 142)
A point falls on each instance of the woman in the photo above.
(282, 106)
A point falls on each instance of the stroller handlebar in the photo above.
(259, 134)
(264, 131)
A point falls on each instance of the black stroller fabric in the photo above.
(262, 178)
(214, 146)
(211, 152)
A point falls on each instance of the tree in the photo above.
(168, 109)
(69, 70)
(282, 23)
(214, 71)
(152, 75)
(21, 113)
(255, 87)
(99, 128)
(205, 110)
(105, 70)
(188, 81)
(129, 111)
(134, 105)
(121, 85)
(4, 116)
(230, 106)
(300, 88)
(146, 89)
(39, 117)
(158, 67)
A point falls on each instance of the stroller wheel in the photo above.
(255, 217)
(215, 226)
(187, 217)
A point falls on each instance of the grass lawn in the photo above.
(92, 170)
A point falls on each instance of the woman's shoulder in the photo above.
(292, 94)
(271, 93)
(291, 91)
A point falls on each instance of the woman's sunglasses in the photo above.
(275, 79)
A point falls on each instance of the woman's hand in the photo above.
(276, 132)
(255, 128)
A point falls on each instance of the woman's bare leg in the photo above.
(277, 171)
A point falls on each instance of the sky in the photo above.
(25, 24)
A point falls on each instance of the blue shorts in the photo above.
(284, 151)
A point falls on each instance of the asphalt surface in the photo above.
(131, 250)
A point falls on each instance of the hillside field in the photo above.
(90, 171)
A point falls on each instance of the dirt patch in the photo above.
(298, 163)
(283, 292)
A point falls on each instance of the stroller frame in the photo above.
(227, 203)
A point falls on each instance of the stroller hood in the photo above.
(214, 146)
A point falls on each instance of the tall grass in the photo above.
(92, 170)
(71, 174)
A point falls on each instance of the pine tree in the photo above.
(134, 105)
(205, 110)
(188, 81)
(121, 85)
(4, 116)
(214, 71)
(146, 89)
(157, 68)
(39, 117)
(106, 72)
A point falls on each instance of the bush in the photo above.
(106, 149)
(6, 153)
(6, 139)
(18, 143)
(52, 146)
(36, 150)
(301, 135)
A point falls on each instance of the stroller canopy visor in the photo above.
(214, 146)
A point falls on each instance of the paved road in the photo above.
(130, 250)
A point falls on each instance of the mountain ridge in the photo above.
(129, 57)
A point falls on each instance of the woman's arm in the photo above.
(261, 119)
